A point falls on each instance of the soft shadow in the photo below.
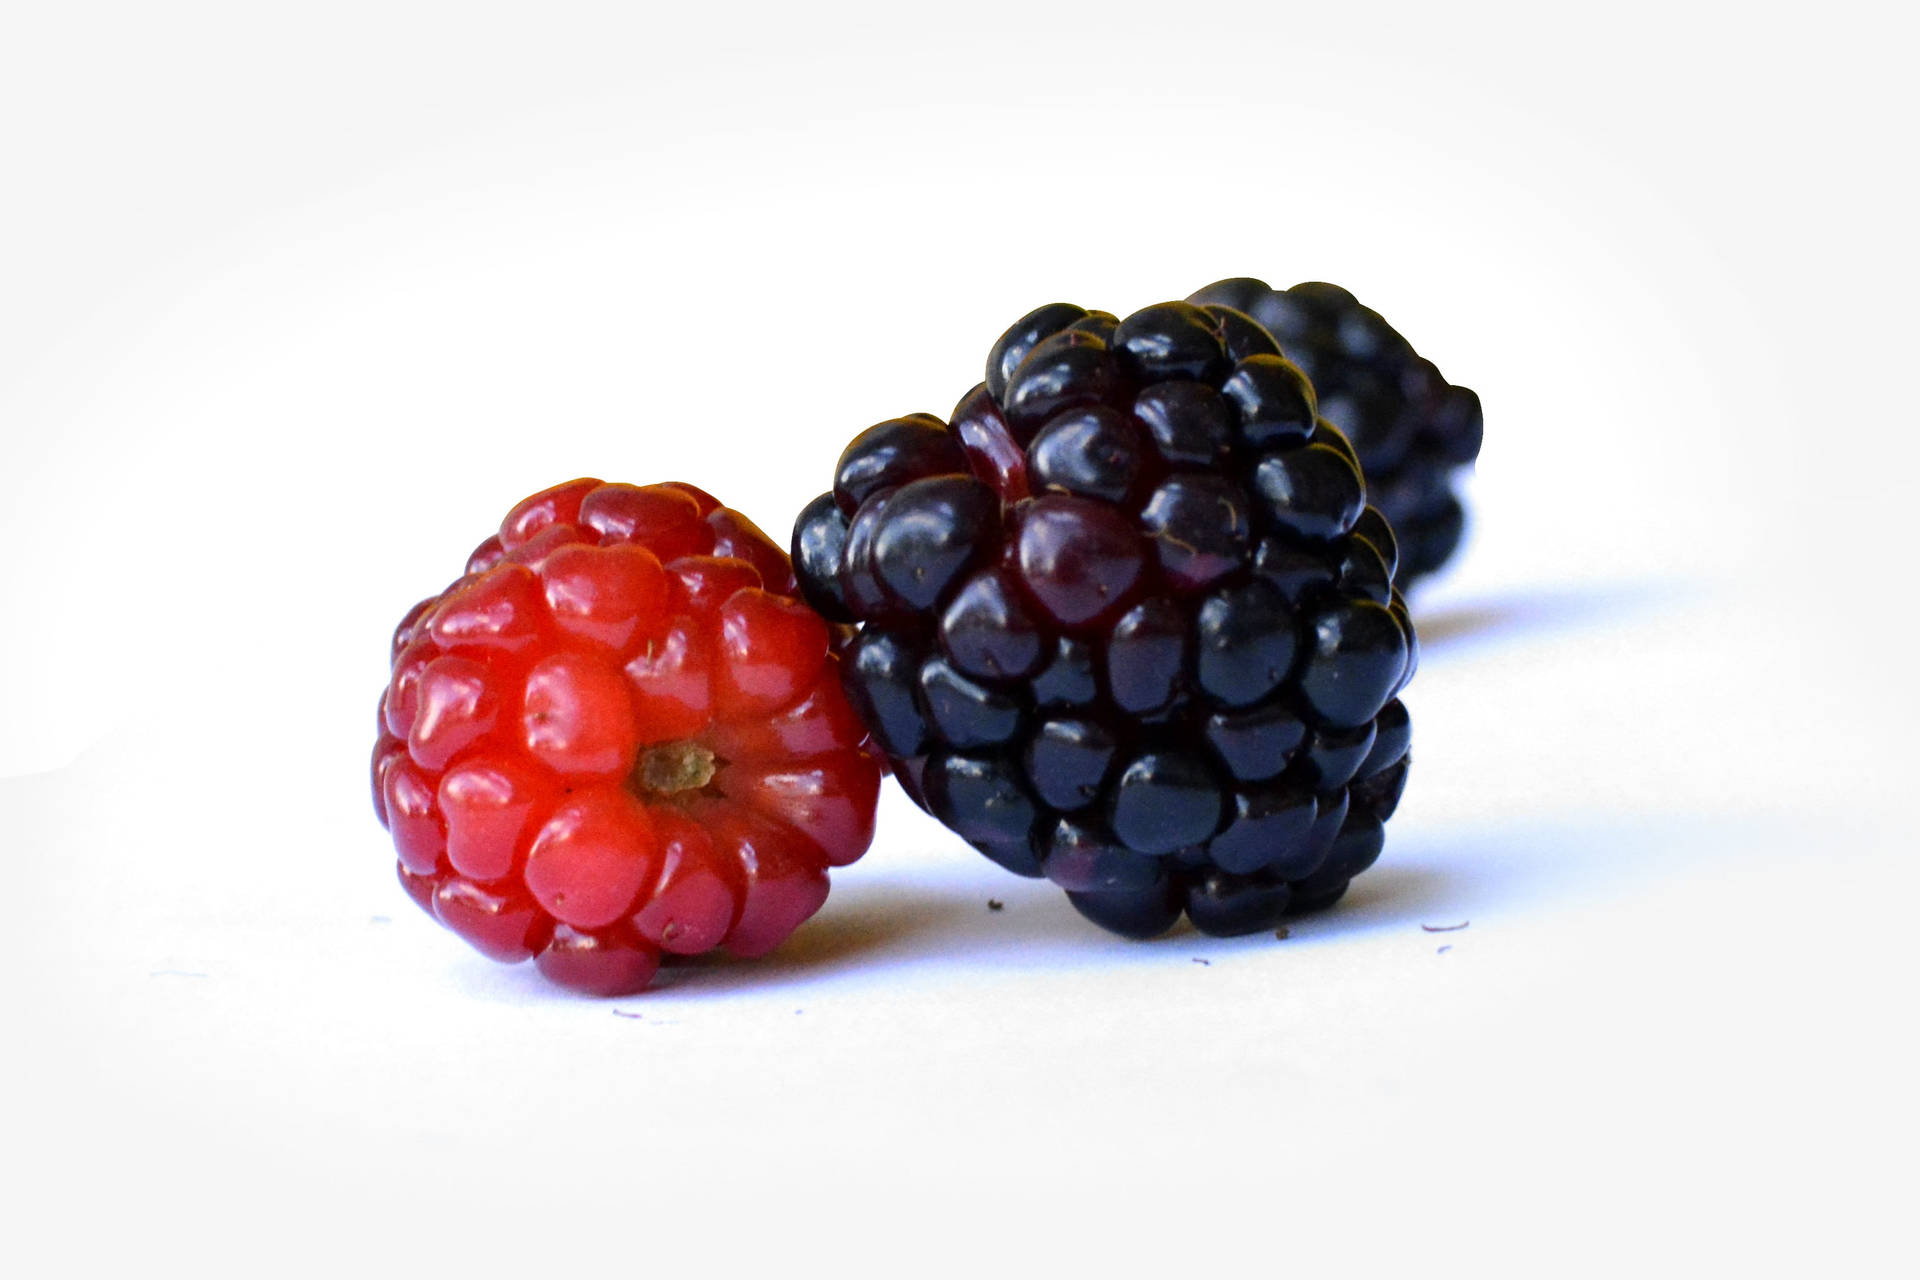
(852, 929)
(1539, 612)
(1437, 877)
(1390, 894)
(858, 924)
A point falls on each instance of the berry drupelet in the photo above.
(620, 737)
(1411, 429)
(1127, 621)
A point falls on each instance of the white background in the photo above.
(295, 300)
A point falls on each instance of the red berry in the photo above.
(668, 680)
(578, 717)
(738, 538)
(457, 708)
(417, 835)
(608, 595)
(559, 505)
(698, 895)
(502, 925)
(593, 857)
(491, 805)
(699, 583)
(785, 881)
(663, 518)
(498, 609)
(611, 963)
(771, 648)
(620, 735)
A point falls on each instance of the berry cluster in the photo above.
(618, 737)
(1411, 429)
(1127, 621)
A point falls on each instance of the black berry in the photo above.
(1094, 452)
(1128, 622)
(989, 631)
(1411, 430)
(892, 453)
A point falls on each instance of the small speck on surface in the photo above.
(994, 904)
(1443, 950)
(1200, 960)
(1283, 933)
(380, 920)
(1445, 928)
(622, 1013)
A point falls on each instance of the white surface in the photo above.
(295, 307)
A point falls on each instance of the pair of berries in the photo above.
(1126, 621)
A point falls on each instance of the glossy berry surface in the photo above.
(620, 738)
(1412, 431)
(1126, 620)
